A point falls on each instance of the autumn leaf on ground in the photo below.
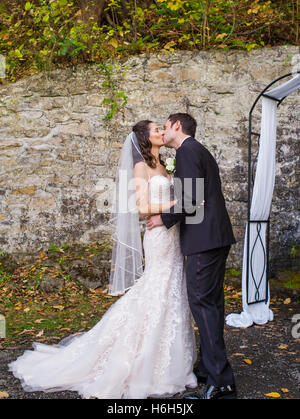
(59, 307)
(3, 395)
(284, 390)
(282, 347)
(247, 361)
(287, 301)
(39, 320)
(221, 35)
(26, 331)
(273, 394)
(18, 306)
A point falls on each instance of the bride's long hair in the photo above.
(142, 132)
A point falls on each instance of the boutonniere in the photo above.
(170, 165)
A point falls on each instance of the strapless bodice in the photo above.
(160, 189)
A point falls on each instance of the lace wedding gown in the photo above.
(143, 346)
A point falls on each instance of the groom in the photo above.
(206, 244)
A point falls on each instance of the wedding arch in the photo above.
(261, 178)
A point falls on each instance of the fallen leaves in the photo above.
(3, 395)
(282, 347)
(38, 321)
(276, 395)
(273, 395)
(287, 301)
(59, 307)
(30, 331)
(18, 306)
(32, 314)
(222, 35)
(247, 361)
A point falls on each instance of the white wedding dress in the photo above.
(143, 346)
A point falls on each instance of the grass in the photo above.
(32, 314)
(293, 281)
(55, 317)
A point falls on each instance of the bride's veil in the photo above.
(127, 254)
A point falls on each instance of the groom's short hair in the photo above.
(188, 123)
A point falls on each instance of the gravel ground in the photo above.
(271, 348)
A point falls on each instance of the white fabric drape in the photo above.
(260, 313)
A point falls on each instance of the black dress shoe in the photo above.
(214, 392)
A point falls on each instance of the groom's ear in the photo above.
(178, 125)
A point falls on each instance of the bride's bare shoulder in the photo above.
(140, 170)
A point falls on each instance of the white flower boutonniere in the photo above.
(170, 165)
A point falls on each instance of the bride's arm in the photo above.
(142, 193)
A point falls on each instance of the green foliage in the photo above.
(289, 279)
(234, 272)
(294, 251)
(36, 34)
(115, 94)
(53, 248)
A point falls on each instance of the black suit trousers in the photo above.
(205, 277)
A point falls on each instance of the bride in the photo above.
(144, 344)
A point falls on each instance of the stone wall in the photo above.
(58, 157)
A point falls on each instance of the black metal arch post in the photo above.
(251, 171)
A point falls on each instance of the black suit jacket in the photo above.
(194, 161)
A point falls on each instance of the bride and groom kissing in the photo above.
(144, 345)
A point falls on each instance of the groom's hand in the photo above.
(154, 221)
